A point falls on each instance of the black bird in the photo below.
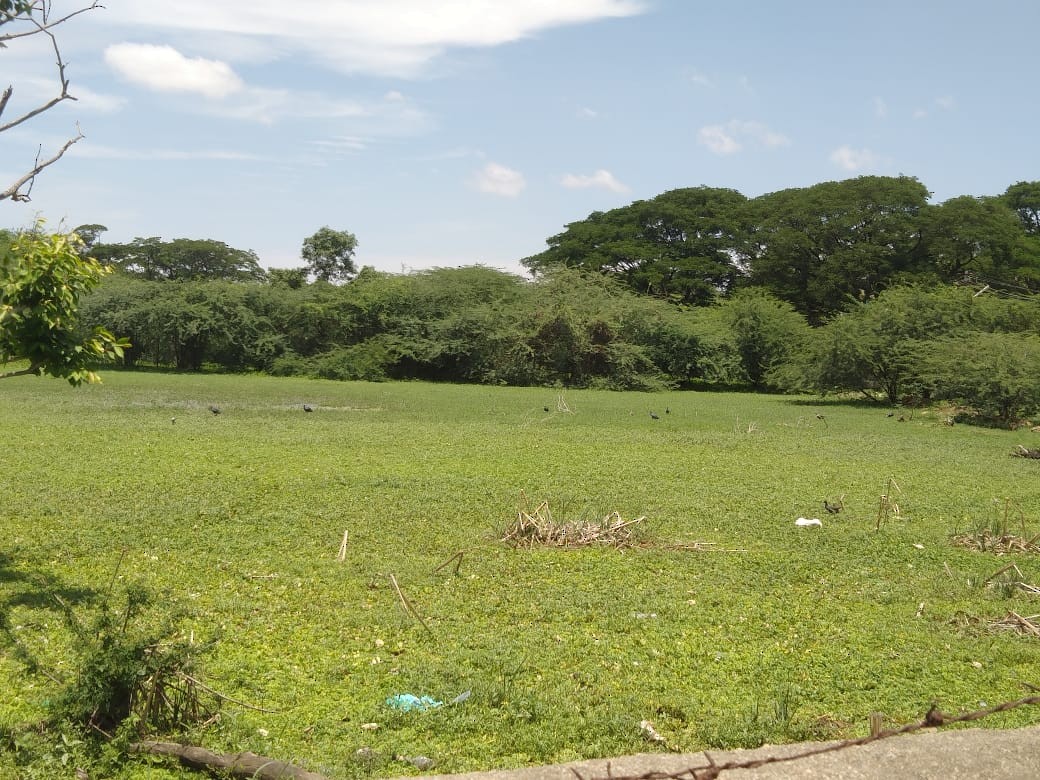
(654, 416)
(307, 408)
(832, 509)
(214, 409)
(890, 414)
(545, 408)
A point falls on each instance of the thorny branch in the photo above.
(44, 25)
(932, 719)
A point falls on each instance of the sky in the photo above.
(446, 133)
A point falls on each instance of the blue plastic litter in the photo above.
(407, 702)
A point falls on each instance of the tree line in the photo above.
(819, 248)
(857, 286)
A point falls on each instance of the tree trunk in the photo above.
(244, 765)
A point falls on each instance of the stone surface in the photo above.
(953, 753)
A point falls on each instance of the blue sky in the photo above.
(456, 132)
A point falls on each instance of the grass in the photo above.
(235, 522)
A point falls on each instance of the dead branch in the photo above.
(220, 695)
(42, 26)
(408, 605)
(1017, 623)
(243, 765)
(457, 557)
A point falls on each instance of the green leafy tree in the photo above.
(873, 349)
(1024, 198)
(42, 278)
(996, 373)
(677, 246)
(181, 259)
(823, 247)
(292, 278)
(89, 234)
(329, 254)
(764, 333)
(970, 238)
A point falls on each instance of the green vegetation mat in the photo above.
(722, 623)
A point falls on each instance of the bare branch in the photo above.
(37, 26)
(13, 193)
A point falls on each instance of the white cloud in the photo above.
(387, 37)
(100, 152)
(701, 80)
(499, 180)
(718, 140)
(343, 143)
(854, 159)
(587, 113)
(943, 103)
(733, 135)
(880, 108)
(164, 69)
(36, 91)
(601, 179)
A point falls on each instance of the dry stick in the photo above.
(1001, 570)
(1025, 623)
(407, 604)
(343, 546)
(220, 695)
(115, 572)
(457, 557)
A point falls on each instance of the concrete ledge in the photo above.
(955, 753)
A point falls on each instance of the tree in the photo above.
(1024, 198)
(996, 373)
(42, 278)
(764, 332)
(181, 259)
(874, 348)
(20, 19)
(329, 254)
(968, 239)
(291, 278)
(823, 247)
(677, 246)
(90, 234)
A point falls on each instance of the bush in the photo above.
(368, 362)
(998, 374)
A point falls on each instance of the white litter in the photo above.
(805, 521)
